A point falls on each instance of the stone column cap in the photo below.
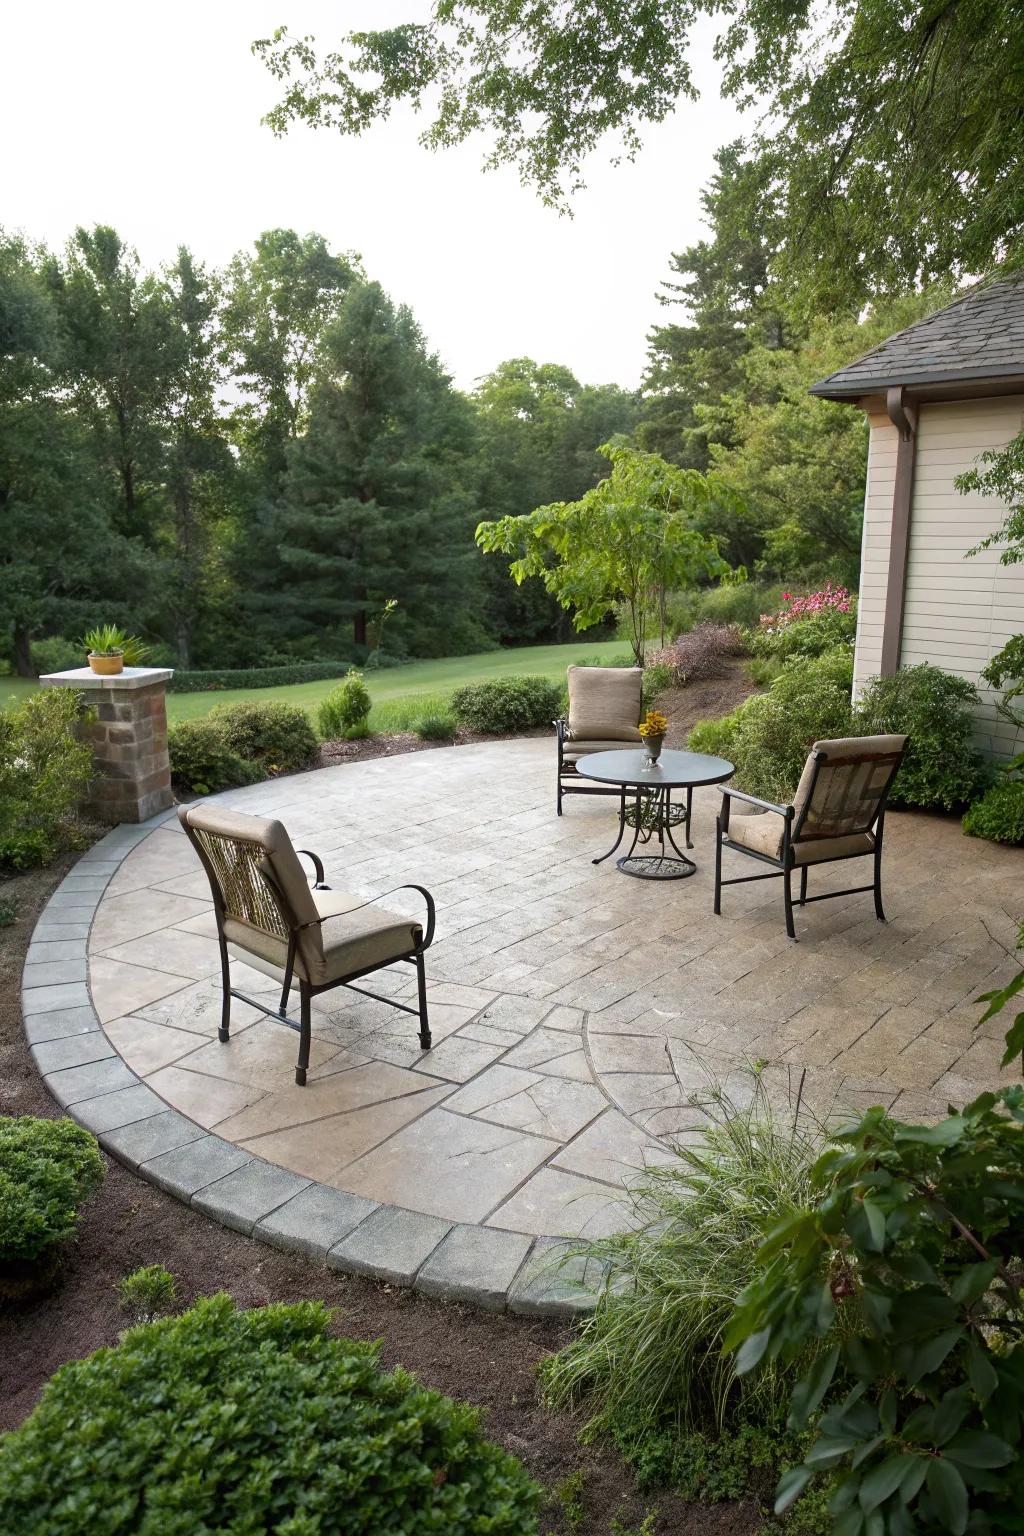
(85, 677)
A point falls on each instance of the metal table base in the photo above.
(651, 815)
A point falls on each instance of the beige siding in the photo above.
(957, 611)
(874, 560)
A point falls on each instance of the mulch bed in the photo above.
(485, 1359)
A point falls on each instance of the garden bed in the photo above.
(487, 1360)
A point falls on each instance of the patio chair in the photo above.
(604, 713)
(838, 813)
(269, 916)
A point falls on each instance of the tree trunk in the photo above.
(359, 619)
(23, 652)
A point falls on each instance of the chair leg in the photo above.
(787, 897)
(421, 989)
(879, 910)
(803, 884)
(718, 866)
(558, 793)
(305, 1033)
(224, 1032)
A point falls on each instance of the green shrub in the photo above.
(941, 768)
(256, 677)
(903, 1280)
(702, 653)
(8, 911)
(507, 704)
(437, 728)
(203, 762)
(735, 603)
(658, 677)
(649, 1360)
(55, 654)
(999, 814)
(44, 772)
(47, 1169)
(770, 734)
(148, 1293)
(260, 1421)
(346, 710)
(278, 738)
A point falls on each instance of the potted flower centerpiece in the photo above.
(110, 650)
(652, 728)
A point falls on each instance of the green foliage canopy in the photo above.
(632, 538)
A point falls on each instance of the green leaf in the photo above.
(975, 1448)
(810, 1391)
(915, 1469)
(791, 1485)
(998, 1000)
(946, 1133)
(876, 1225)
(1014, 1040)
(751, 1350)
(981, 1373)
(975, 1280)
(882, 1481)
(829, 1449)
(931, 1354)
(949, 1494)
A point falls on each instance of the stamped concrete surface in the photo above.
(579, 1017)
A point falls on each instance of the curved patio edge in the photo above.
(490, 1268)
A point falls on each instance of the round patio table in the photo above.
(652, 812)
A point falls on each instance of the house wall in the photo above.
(957, 611)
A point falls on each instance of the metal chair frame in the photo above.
(307, 991)
(567, 780)
(784, 865)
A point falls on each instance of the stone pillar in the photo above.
(128, 736)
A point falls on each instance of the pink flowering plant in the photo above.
(808, 625)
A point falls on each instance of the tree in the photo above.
(60, 558)
(278, 303)
(538, 431)
(895, 152)
(120, 351)
(202, 476)
(374, 505)
(631, 539)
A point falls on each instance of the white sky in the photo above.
(147, 117)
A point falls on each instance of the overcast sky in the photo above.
(148, 118)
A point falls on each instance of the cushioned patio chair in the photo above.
(838, 813)
(604, 713)
(269, 916)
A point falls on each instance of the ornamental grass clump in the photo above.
(649, 1361)
(345, 712)
(231, 1421)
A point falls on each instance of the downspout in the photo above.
(905, 422)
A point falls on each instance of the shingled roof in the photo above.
(979, 336)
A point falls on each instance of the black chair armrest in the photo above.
(562, 729)
(428, 937)
(765, 805)
(321, 884)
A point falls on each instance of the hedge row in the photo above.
(257, 677)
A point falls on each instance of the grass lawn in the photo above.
(401, 695)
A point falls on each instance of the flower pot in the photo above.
(106, 666)
(652, 747)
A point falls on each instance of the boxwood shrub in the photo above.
(47, 1169)
(203, 761)
(44, 772)
(278, 738)
(999, 814)
(256, 677)
(507, 704)
(258, 1421)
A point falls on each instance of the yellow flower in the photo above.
(655, 724)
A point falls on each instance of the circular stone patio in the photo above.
(576, 1014)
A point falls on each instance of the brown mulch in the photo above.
(485, 1359)
(706, 700)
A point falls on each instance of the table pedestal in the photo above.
(651, 814)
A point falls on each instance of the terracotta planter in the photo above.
(652, 747)
(106, 666)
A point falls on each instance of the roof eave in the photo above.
(850, 391)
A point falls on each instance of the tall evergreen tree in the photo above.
(374, 505)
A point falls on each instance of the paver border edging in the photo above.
(493, 1269)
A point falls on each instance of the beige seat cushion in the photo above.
(604, 703)
(763, 834)
(574, 749)
(355, 937)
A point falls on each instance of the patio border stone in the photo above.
(487, 1267)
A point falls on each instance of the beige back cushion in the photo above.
(604, 703)
(849, 785)
(241, 849)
